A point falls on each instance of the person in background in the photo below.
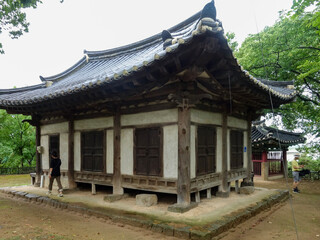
(296, 168)
(54, 173)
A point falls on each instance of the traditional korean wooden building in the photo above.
(269, 150)
(171, 113)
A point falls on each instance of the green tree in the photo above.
(300, 6)
(17, 141)
(231, 40)
(289, 50)
(12, 18)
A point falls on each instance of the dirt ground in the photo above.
(278, 223)
(21, 220)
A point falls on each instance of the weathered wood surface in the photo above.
(183, 184)
(117, 188)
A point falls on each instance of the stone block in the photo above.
(146, 200)
(182, 208)
(21, 194)
(167, 229)
(183, 232)
(203, 235)
(32, 197)
(157, 228)
(247, 190)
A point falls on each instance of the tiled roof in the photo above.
(101, 69)
(261, 134)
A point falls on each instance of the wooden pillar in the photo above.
(71, 181)
(264, 166)
(264, 156)
(38, 155)
(224, 188)
(117, 188)
(183, 184)
(284, 165)
(248, 180)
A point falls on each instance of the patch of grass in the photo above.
(14, 180)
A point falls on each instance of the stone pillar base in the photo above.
(247, 190)
(223, 194)
(246, 183)
(182, 207)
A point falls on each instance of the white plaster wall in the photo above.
(95, 123)
(77, 151)
(228, 149)
(44, 141)
(193, 133)
(64, 150)
(245, 154)
(170, 151)
(204, 117)
(219, 150)
(127, 151)
(55, 128)
(237, 123)
(163, 116)
(109, 148)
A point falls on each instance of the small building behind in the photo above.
(270, 150)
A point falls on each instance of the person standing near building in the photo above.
(54, 173)
(296, 168)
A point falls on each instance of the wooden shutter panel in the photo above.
(141, 152)
(98, 152)
(236, 148)
(92, 151)
(202, 151)
(148, 156)
(154, 152)
(211, 150)
(206, 154)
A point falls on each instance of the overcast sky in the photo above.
(59, 32)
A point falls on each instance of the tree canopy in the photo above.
(290, 50)
(12, 18)
(17, 141)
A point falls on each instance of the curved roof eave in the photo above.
(22, 89)
(58, 76)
